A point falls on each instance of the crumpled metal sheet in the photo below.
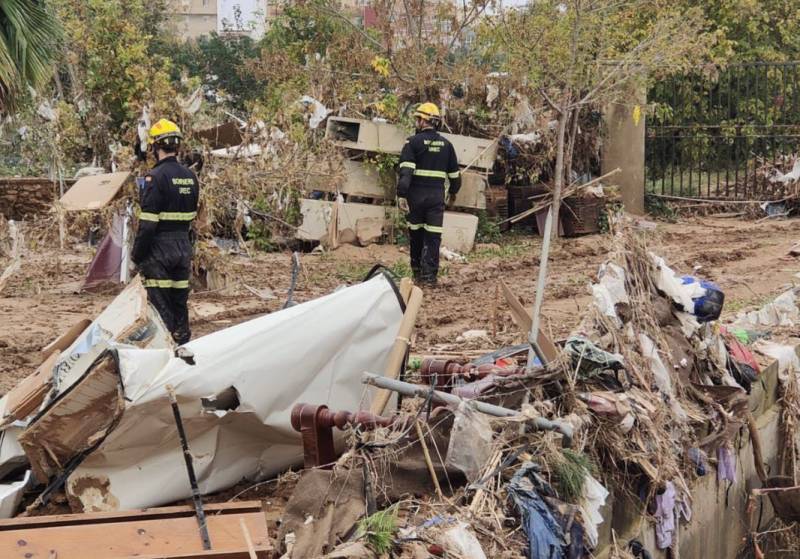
(314, 352)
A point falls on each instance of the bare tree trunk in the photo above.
(558, 187)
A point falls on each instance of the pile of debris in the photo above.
(644, 397)
(512, 454)
(95, 422)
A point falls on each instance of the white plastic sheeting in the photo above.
(314, 353)
(782, 311)
(610, 290)
(11, 495)
(670, 283)
(592, 500)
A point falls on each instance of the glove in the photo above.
(404, 183)
(402, 203)
(451, 201)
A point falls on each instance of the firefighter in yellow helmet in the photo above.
(163, 249)
(428, 163)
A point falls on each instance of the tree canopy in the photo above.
(29, 40)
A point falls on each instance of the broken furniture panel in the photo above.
(110, 260)
(459, 231)
(94, 192)
(128, 319)
(362, 179)
(76, 421)
(360, 222)
(356, 221)
(12, 457)
(223, 135)
(380, 137)
(166, 533)
(11, 495)
(473, 191)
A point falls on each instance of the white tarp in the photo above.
(313, 353)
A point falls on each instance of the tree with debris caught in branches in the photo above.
(576, 53)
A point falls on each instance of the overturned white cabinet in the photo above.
(366, 223)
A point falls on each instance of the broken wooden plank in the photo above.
(522, 318)
(110, 517)
(67, 338)
(402, 342)
(162, 537)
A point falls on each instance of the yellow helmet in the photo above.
(162, 131)
(427, 111)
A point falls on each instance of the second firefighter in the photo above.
(163, 249)
(427, 163)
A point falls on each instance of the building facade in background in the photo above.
(195, 18)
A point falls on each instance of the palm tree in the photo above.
(30, 34)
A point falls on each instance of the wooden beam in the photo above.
(182, 511)
(174, 538)
(522, 318)
(265, 553)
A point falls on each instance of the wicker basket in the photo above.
(581, 216)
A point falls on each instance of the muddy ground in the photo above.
(749, 260)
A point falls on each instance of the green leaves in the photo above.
(30, 36)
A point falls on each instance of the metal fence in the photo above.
(724, 132)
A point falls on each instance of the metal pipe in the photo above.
(187, 456)
(408, 389)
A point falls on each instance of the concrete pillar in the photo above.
(623, 147)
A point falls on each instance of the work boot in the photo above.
(416, 275)
(428, 281)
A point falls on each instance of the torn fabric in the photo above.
(545, 536)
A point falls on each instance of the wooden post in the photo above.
(398, 353)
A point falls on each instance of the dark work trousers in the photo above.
(425, 218)
(166, 271)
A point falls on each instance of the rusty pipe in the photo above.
(408, 389)
(444, 371)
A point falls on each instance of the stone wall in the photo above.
(26, 196)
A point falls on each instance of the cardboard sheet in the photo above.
(314, 352)
(94, 192)
(29, 394)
